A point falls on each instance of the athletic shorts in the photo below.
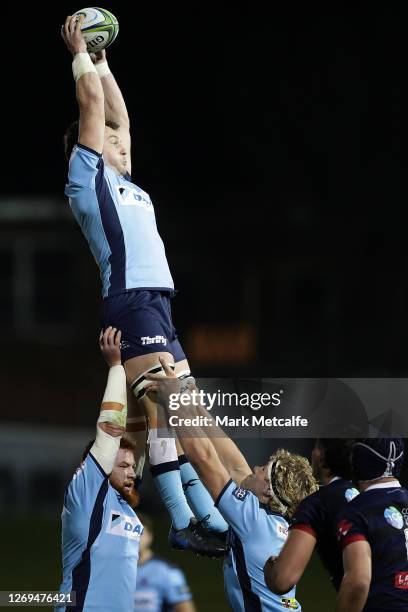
(144, 318)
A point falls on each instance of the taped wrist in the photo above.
(102, 69)
(104, 449)
(82, 64)
(113, 410)
(114, 403)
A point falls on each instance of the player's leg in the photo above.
(142, 315)
(163, 458)
(136, 429)
(199, 499)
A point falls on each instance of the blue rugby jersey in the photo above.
(100, 543)
(118, 221)
(159, 586)
(317, 514)
(256, 533)
(379, 515)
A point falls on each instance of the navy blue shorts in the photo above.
(144, 318)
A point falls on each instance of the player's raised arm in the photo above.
(115, 107)
(195, 443)
(88, 86)
(228, 452)
(112, 419)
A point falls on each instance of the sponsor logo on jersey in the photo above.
(343, 528)
(289, 603)
(129, 196)
(281, 531)
(147, 600)
(401, 581)
(350, 494)
(124, 526)
(240, 494)
(153, 340)
(394, 517)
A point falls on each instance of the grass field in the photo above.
(31, 560)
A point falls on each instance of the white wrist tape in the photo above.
(114, 403)
(102, 69)
(82, 64)
(104, 449)
(114, 410)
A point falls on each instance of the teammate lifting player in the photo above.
(98, 566)
(117, 218)
(256, 504)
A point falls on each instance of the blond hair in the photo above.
(291, 481)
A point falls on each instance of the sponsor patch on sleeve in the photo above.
(401, 581)
(343, 528)
(289, 603)
(239, 493)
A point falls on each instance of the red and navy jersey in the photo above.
(380, 517)
(317, 514)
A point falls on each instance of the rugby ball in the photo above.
(99, 28)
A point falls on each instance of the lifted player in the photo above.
(117, 218)
(373, 531)
(314, 522)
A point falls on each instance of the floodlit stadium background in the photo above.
(274, 149)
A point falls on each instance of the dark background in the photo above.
(273, 145)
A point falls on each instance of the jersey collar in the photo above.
(333, 480)
(384, 485)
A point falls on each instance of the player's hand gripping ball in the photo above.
(99, 28)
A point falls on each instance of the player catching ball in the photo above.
(118, 220)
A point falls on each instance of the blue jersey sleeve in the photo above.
(177, 589)
(239, 507)
(84, 166)
(85, 486)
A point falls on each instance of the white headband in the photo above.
(282, 503)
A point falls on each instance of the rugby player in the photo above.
(373, 531)
(117, 218)
(314, 522)
(160, 585)
(100, 530)
(256, 506)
